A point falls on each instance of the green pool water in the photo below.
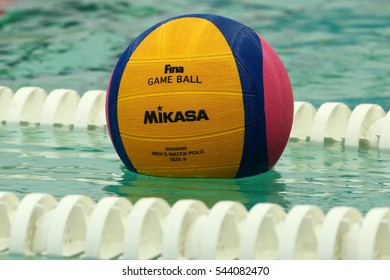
(84, 162)
(333, 51)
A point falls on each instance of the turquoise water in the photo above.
(84, 162)
(333, 50)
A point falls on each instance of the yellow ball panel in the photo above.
(174, 114)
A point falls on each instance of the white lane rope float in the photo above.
(113, 228)
(366, 126)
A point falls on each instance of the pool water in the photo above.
(84, 162)
(333, 51)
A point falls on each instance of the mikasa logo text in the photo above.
(175, 116)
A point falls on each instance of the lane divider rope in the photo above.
(114, 228)
(367, 126)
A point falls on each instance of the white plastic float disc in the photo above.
(384, 137)
(68, 226)
(180, 218)
(362, 118)
(26, 222)
(339, 234)
(194, 236)
(106, 229)
(261, 232)
(304, 113)
(374, 238)
(60, 107)
(330, 122)
(222, 232)
(89, 110)
(144, 229)
(299, 236)
(8, 205)
(26, 106)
